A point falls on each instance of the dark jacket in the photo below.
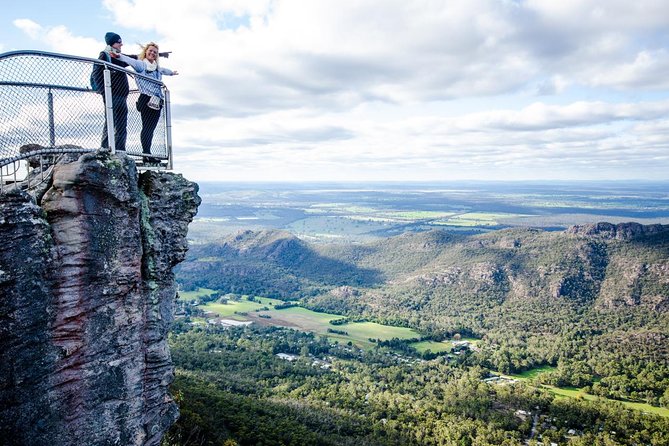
(119, 80)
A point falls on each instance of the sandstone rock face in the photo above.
(621, 231)
(86, 296)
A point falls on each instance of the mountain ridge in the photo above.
(571, 264)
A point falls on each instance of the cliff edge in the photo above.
(86, 297)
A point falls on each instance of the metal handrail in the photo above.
(46, 101)
(71, 57)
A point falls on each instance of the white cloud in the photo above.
(648, 70)
(597, 14)
(328, 53)
(29, 27)
(540, 116)
(537, 141)
(286, 89)
(58, 38)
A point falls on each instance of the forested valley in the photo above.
(590, 304)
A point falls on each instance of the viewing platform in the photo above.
(48, 108)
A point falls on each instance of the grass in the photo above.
(477, 219)
(359, 333)
(533, 373)
(231, 309)
(303, 319)
(417, 215)
(366, 330)
(661, 411)
(439, 347)
(194, 295)
(433, 346)
(574, 392)
(570, 392)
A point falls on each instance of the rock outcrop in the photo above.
(86, 296)
(620, 231)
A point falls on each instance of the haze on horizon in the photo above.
(281, 90)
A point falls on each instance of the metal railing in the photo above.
(47, 107)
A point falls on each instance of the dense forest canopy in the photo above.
(590, 303)
(232, 386)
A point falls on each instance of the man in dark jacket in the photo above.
(119, 90)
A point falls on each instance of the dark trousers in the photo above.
(150, 118)
(120, 113)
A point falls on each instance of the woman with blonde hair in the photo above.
(151, 98)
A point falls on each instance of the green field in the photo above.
(242, 306)
(532, 373)
(433, 346)
(475, 219)
(366, 330)
(359, 333)
(416, 215)
(194, 295)
(439, 347)
(303, 319)
(573, 392)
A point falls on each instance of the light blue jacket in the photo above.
(146, 86)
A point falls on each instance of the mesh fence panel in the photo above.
(46, 99)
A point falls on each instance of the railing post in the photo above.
(109, 111)
(168, 129)
(52, 125)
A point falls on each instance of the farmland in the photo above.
(573, 392)
(358, 333)
(442, 346)
(195, 294)
(340, 213)
(238, 309)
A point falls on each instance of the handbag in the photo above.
(154, 103)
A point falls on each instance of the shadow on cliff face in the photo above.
(86, 302)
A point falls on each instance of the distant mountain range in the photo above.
(600, 265)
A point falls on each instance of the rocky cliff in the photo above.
(620, 231)
(86, 296)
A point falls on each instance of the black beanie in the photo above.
(111, 38)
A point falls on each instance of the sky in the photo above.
(392, 90)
